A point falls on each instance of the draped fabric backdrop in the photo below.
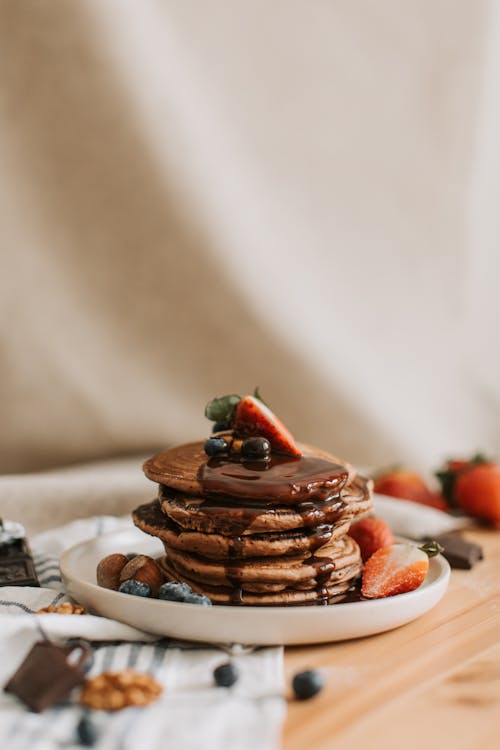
(201, 197)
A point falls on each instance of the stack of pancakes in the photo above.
(279, 540)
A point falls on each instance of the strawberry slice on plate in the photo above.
(252, 417)
(394, 570)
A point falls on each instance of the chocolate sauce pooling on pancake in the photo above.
(305, 482)
(283, 480)
(234, 493)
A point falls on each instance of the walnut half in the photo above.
(66, 608)
(111, 691)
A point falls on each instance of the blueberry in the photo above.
(174, 591)
(306, 684)
(86, 732)
(136, 588)
(201, 599)
(255, 448)
(216, 446)
(220, 427)
(225, 675)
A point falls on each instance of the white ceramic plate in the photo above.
(247, 625)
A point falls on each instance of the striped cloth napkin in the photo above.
(191, 712)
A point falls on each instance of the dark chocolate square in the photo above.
(45, 678)
(459, 552)
(16, 565)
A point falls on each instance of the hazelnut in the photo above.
(143, 568)
(109, 569)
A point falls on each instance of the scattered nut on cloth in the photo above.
(111, 691)
(66, 608)
(166, 686)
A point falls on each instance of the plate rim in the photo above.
(442, 577)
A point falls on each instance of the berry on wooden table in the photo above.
(307, 684)
(449, 473)
(477, 491)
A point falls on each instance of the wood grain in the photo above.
(434, 683)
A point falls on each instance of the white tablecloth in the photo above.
(190, 712)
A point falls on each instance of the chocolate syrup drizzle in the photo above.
(237, 492)
(282, 480)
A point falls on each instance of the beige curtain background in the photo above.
(199, 197)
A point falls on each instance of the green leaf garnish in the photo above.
(256, 394)
(447, 482)
(221, 409)
(432, 549)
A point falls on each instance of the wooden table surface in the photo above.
(434, 683)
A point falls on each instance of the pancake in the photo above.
(358, 496)
(150, 519)
(186, 468)
(229, 517)
(261, 533)
(329, 593)
(336, 558)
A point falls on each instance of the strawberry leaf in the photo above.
(447, 481)
(432, 549)
(221, 409)
(256, 394)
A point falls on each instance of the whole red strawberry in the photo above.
(449, 473)
(477, 491)
(407, 485)
(371, 534)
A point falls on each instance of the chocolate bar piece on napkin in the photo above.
(48, 674)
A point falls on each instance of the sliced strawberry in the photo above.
(252, 417)
(394, 570)
(371, 534)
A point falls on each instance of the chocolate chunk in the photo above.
(459, 552)
(16, 564)
(48, 674)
